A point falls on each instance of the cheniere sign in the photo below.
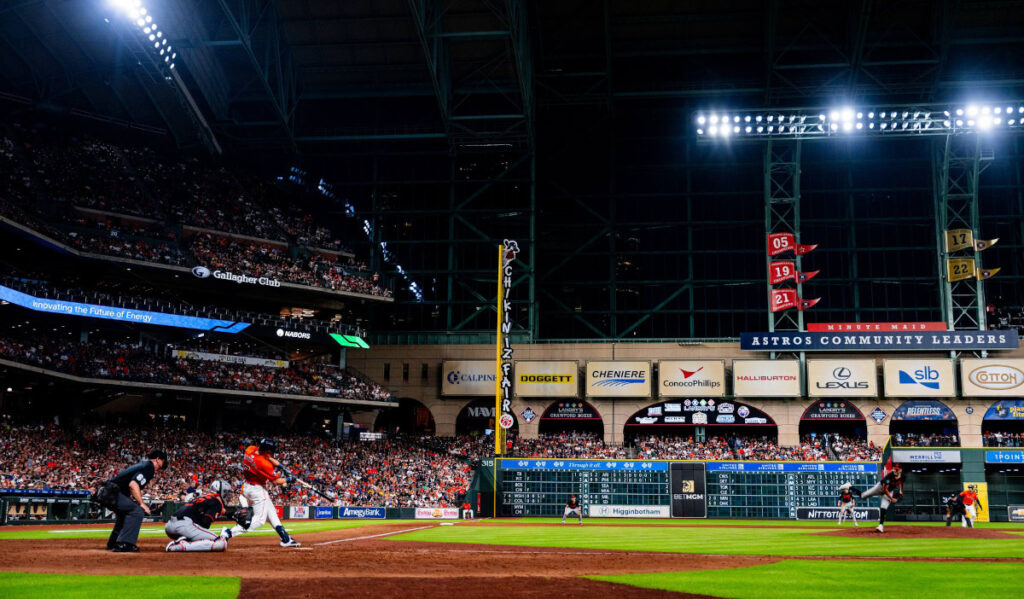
(909, 341)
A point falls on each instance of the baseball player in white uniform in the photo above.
(258, 470)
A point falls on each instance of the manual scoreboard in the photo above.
(666, 489)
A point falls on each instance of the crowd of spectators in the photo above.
(1003, 438)
(121, 360)
(47, 178)
(397, 472)
(925, 440)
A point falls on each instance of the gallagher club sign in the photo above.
(910, 341)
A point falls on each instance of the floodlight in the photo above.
(724, 131)
(945, 123)
(156, 44)
(959, 123)
(860, 125)
(700, 132)
(167, 59)
(821, 117)
(959, 111)
(736, 119)
(159, 33)
(713, 130)
(152, 37)
(970, 122)
(748, 129)
(847, 114)
(985, 110)
(700, 120)
(997, 121)
(146, 30)
(714, 119)
(161, 52)
(847, 126)
(172, 65)
(164, 42)
(771, 118)
(736, 129)
(746, 119)
(884, 125)
(985, 122)
(149, 19)
(972, 110)
(771, 128)
(834, 126)
(871, 115)
(175, 55)
(760, 129)
(834, 115)
(871, 125)
(1009, 122)
(140, 22)
(997, 109)
(1021, 110)
(758, 118)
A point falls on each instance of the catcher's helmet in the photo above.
(220, 487)
(267, 445)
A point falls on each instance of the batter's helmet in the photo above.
(267, 445)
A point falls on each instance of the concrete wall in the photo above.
(615, 412)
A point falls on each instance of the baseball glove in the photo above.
(243, 516)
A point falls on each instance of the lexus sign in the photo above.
(842, 378)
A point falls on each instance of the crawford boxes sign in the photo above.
(468, 378)
(618, 379)
(766, 378)
(992, 378)
(691, 378)
(919, 378)
(909, 341)
(535, 378)
(842, 378)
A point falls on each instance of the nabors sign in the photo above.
(993, 378)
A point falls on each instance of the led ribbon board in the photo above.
(53, 306)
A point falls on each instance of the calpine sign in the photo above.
(913, 341)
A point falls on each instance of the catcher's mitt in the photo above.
(243, 516)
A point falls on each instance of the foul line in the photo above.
(383, 534)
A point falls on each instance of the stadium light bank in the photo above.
(880, 121)
(136, 12)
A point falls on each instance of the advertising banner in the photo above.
(52, 306)
(570, 410)
(248, 360)
(926, 456)
(919, 378)
(362, 513)
(842, 378)
(323, 512)
(618, 379)
(832, 410)
(296, 512)
(1004, 456)
(437, 513)
(1006, 409)
(1015, 513)
(629, 511)
(911, 341)
(991, 378)
(923, 409)
(535, 378)
(871, 327)
(691, 378)
(981, 505)
(689, 490)
(460, 378)
(700, 412)
(766, 378)
(864, 514)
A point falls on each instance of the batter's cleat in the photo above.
(125, 548)
(291, 543)
(225, 533)
(880, 528)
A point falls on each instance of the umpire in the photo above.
(123, 496)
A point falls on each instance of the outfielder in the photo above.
(258, 470)
(189, 527)
(572, 507)
(847, 503)
(969, 498)
(890, 488)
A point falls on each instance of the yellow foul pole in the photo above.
(499, 433)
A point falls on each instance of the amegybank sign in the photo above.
(536, 378)
(766, 378)
(618, 379)
(468, 378)
(691, 378)
(992, 378)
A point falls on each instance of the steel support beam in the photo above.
(782, 215)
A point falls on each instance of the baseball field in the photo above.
(529, 558)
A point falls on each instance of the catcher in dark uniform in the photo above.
(189, 527)
(890, 488)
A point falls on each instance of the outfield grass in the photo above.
(806, 579)
(724, 541)
(15, 585)
(102, 531)
(712, 522)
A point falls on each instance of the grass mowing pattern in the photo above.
(102, 531)
(16, 585)
(1009, 526)
(805, 579)
(726, 541)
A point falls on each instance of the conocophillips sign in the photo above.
(618, 379)
(691, 378)
(842, 378)
(992, 378)
(534, 378)
(468, 377)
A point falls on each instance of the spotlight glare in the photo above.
(871, 115)
(736, 119)
(985, 109)
(760, 129)
(713, 130)
(700, 132)
(746, 119)
(834, 115)
(970, 122)
(959, 111)
(972, 110)
(847, 126)
(998, 110)
(985, 123)
(700, 120)
(871, 125)
(834, 126)
(714, 119)
(748, 129)
(860, 125)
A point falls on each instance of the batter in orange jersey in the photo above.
(258, 466)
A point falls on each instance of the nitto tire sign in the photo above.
(864, 514)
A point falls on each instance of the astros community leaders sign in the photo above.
(912, 341)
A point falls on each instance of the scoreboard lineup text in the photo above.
(663, 489)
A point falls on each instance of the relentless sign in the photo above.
(832, 410)
(468, 378)
(864, 514)
(912, 341)
(546, 379)
(992, 378)
(919, 378)
(923, 409)
(842, 378)
(618, 379)
(874, 327)
(691, 378)
(926, 456)
(766, 378)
